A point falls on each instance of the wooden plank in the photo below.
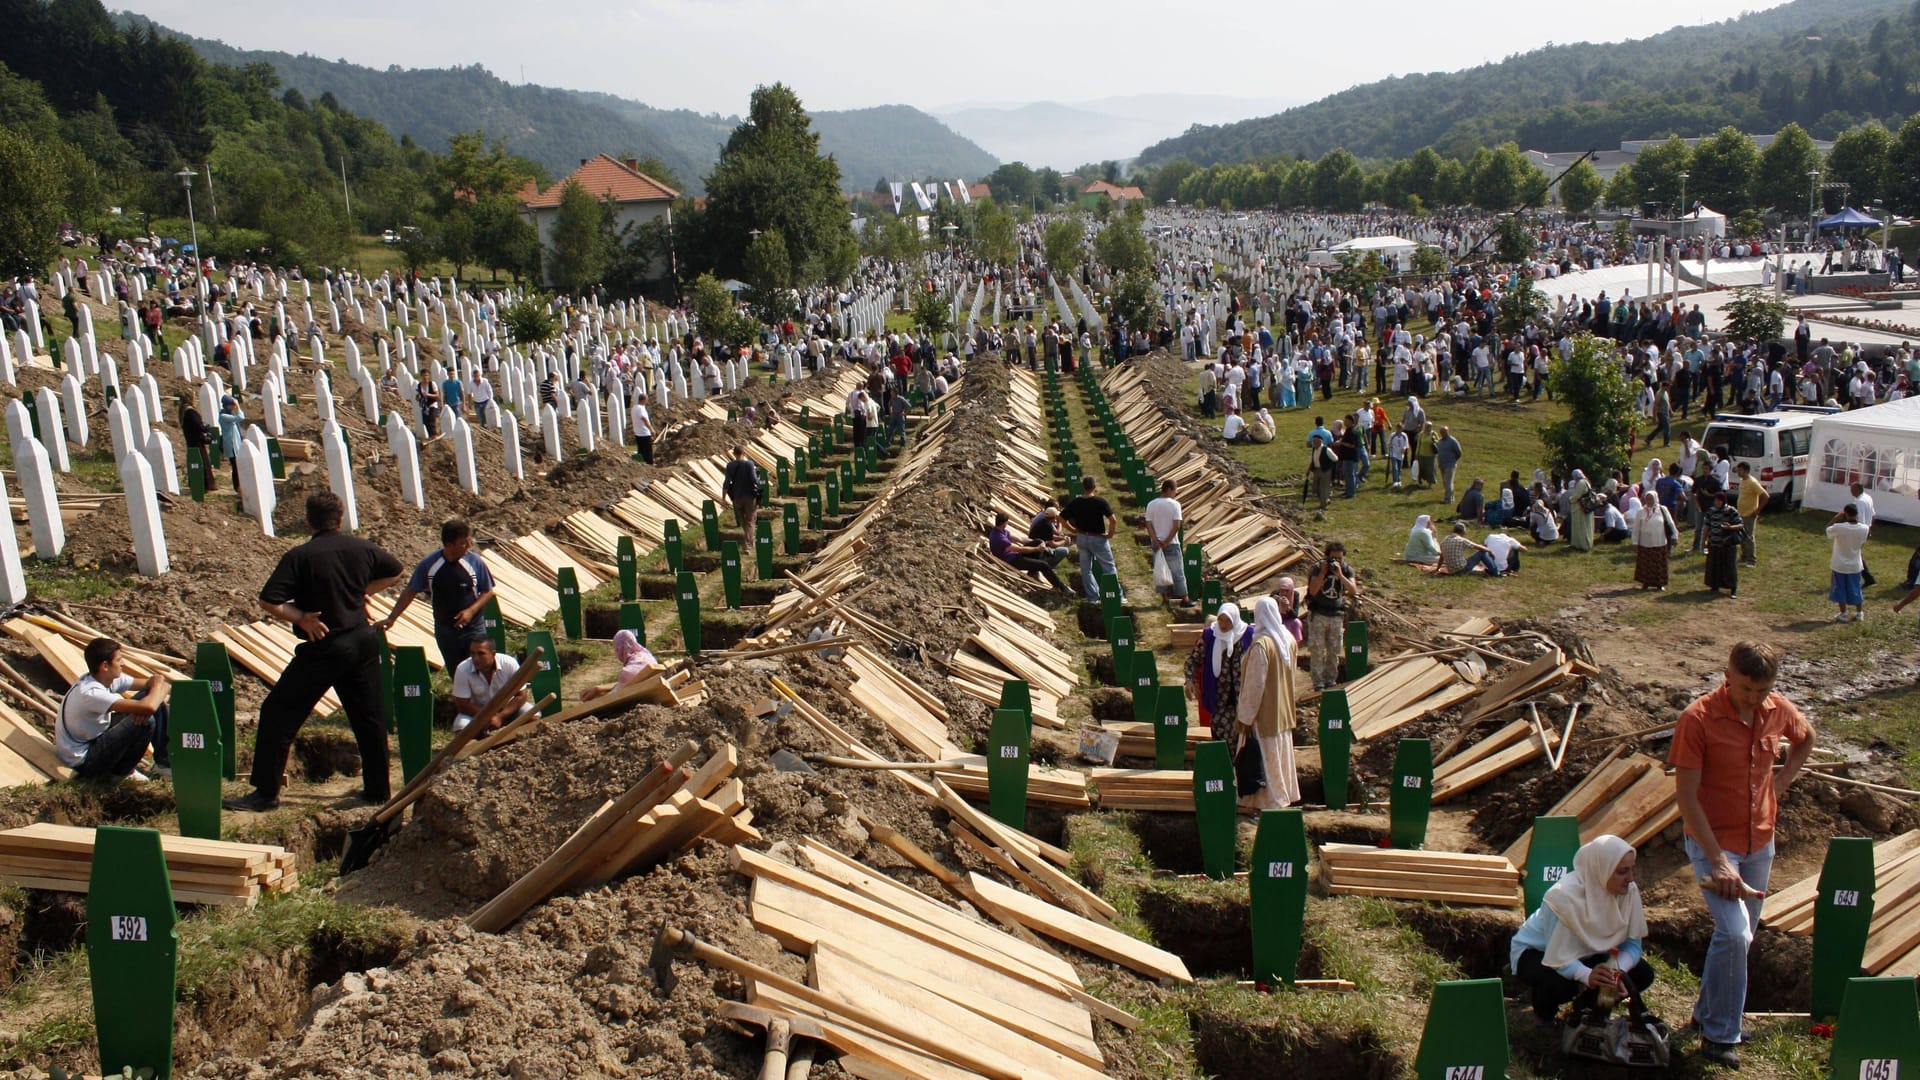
(860, 1043)
(1080, 932)
(1429, 895)
(1011, 840)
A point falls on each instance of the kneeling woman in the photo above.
(1593, 914)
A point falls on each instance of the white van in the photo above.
(1773, 444)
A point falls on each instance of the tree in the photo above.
(418, 248)
(1121, 246)
(1623, 190)
(769, 277)
(995, 236)
(716, 312)
(529, 322)
(1503, 179)
(1519, 305)
(1337, 181)
(1166, 180)
(1580, 188)
(1428, 259)
(1513, 242)
(1859, 158)
(1062, 242)
(1723, 169)
(1359, 277)
(1657, 169)
(932, 313)
(771, 176)
(1782, 180)
(1755, 315)
(31, 200)
(1012, 184)
(1903, 167)
(579, 252)
(1136, 299)
(1602, 410)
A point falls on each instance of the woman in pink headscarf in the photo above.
(1287, 595)
(636, 663)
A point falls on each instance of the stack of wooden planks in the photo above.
(1145, 789)
(908, 711)
(1400, 690)
(1049, 786)
(1137, 738)
(1443, 876)
(266, 648)
(1027, 860)
(540, 555)
(1521, 683)
(26, 754)
(1016, 652)
(61, 641)
(1508, 748)
(60, 858)
(1893, 938)
(669, 809)
(982, 997)
(1629, 796)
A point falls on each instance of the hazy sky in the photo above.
(709, 54)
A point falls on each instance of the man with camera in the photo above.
(1331, 590)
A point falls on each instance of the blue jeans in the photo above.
(1723, 978)
(1094, 550)
(1176, 566)
(1482, 559)
(1393, 470)
(1350, 476)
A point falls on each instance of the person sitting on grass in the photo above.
(1459, 555)
(1506, 551)
(1423, 548)
(1541, 520)
(1473, 505)
(636, 663)
(1584, 941)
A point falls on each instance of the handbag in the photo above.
(1637, 1040)
(1249, 769)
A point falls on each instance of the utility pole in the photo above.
(344, 195)
(213, 202)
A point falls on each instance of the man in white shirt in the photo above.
(1849, 539)
(480, 392)
(104, 727)
(1505, 551)
(1163, 534)
(479, 679)
(1863, 509)
(641, 423)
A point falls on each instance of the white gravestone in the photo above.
(406, 453)
(53, 431)
(159, 454)
(340, 474)
(35, 471)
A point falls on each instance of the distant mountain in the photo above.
(1048, 133)
(560, 127)
(1825, 64)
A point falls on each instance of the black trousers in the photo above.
(1552, 989)
(348, 663)
(644, 444)
(117, 751)
(1034, 564)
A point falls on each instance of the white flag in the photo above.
(920, 195)
(896, 186)
(965, 195)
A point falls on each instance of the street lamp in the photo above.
(1813, 187)
(1683, 193)
(186, 181)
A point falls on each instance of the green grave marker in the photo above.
(1170, 728)
(1215, 802)
(1336, 746)
(1842, 914)
(1144, 682)
(833, 495)
(193, 730)
(813, 455)
(132, 951)
(686, 594)
(1008, 752)
(494, 625)
(629, 568)
(730, 573)
(789, 528)
(676, 547)
(782, 477)
(1194, 562)
(1878, 1036)
(276, 462)
(547, 679)
(859, 469)
(1277, 895)
(799, 465)
(1466, 1033)
(571, 617)
(1015, 694)
(1412, 796)
(814, 511)
(847, 481)
(212, 663)
(710, 524)
(763, 549)
(1211, 595)
(412, 708)
(634, 617)
(196, 475)
(1356, 654)
(1549, 856)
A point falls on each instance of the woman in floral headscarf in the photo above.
(1213, 668)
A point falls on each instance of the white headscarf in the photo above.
(1223, 642)
(1652, 474)
(1592, 920)
(1266, 623)
(1420, 524)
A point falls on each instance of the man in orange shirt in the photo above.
(1724, 748)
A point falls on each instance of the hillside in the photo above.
(558, 127)
(1825, 64)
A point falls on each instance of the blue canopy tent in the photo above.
(1849, 218)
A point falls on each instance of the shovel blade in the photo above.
(361, 844)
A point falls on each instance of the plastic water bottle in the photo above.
(1608, 995)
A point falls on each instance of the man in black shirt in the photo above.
(740, 488)
(1092, 521)
(321, 587)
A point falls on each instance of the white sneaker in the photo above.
(1842, 617)
(137, 776)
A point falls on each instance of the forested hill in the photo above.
(1825, 64)
(559, 127)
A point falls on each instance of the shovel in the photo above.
(367, 839)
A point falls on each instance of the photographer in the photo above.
(1331, 590)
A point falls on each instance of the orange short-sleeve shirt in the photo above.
(1736, 764)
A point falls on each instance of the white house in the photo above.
(637, 197)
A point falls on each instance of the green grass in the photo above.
(62, 579)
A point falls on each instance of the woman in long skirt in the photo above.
(1265, 712)
(1723, 532)
(1213, 669)
(1652, 529)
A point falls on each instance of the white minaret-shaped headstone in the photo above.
(257, 495)
(35, 470)
(510, 443)
(550, 432)
(351, 350)
(340, 474)
(370, 396)
(461, 433)
(406, 453)
(159, 455)
(137, 410)
(150, 387)
(120, 431)
(9, 369)
(616, 416)
(143, 508)
(34, 329)
(13, 578)
(323, 397)
(53, 431)
(587, 423)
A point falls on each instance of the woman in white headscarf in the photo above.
(1213, 668)
(1423, 547)
(1592, 916)
(1265, 710)
(1579, 515)
(1260, 428)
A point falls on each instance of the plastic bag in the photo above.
(1162, 573)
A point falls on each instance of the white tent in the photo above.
(1879, 447)
(1703, 222)
(1359, 247)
